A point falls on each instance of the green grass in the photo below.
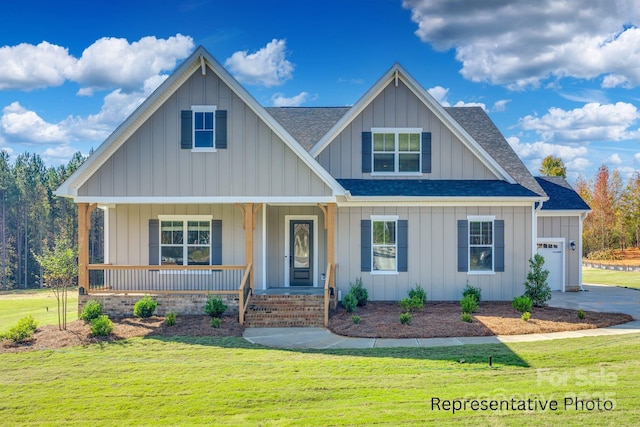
(629, 279)
(187, 381)
(41, 303)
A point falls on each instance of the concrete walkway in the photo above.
(594, 298)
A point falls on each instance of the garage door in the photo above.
(553, 253)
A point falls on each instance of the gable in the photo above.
(397, 106)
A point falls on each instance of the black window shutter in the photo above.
(426, 152)
(403, 245)
(216, 242)
(498, 230)
(186, 129)
(366, 152)
(365, 245)
(463, 245)
(154, 242)
(221, 129)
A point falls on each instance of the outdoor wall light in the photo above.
(572, 245)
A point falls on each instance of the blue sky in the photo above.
(557, 77)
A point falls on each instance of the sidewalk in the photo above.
(597, 298)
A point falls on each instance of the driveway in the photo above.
(600, 298)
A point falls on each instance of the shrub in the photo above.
(536, 285)
(526, 316)
(468, 304)
(145, 307)
(522, 304)
(91, 310)
(349, 302)
(101, 326)
(170, 318)
(418, 293)
(473, 291)
(216, 322)
(604, 255)
(581, 315)
(356, 319)
(412, 304)
(214, 306)
(405, 318)
(358, 291)
(24, 329)
(466, 317)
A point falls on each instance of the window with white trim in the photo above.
(203, 126)
(384, 244)
(396, 151)
(481, 244)
(185, 241)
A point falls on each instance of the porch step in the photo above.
(282, 311)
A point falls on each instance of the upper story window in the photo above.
(396, 151)
(203, 126)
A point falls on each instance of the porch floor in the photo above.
(297, 290)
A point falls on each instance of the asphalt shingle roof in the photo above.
(307, 124)
(434, 188)
(561, 195)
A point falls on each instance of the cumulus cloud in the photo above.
(614, 159)
(21, 125)
(636, 157)
(500, 105)
(532, 154)
(107, 63)
(266, 67)
(58, 155)
(593, 122)
(440, 94)
(279, 100)
(519, 44)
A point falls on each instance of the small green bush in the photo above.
(214, 306)
(405, 318)
(581, 315)
(418, 293)
(145, 307)
(349, 302)
(473, 291)
(466, 317)
(359, 291)
(536, 285)
(24, 329)
(526, 316)
(101, 326)
(522, 304)
(170, 318)
(91, 310)
(356, 319)
(412, 304)
(468, 304)
(216, 322)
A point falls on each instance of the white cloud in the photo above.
(542, 149)
(614, 159)
(615, 80)
(440, 94)
(58, 155)
(266, 67)
(279, 100)
(24, 126)
(107, 63)
(636, 157)
(593, 122)
(500, 105)
(519, 44)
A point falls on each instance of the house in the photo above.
(206, 191)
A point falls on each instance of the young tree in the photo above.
(60, 269)
(602, 217)
(553, 166)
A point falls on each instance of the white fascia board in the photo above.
(429, 101)
(552, 213)
(149, 200)
(438, 201)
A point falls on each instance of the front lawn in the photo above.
(41, 303)
(226, 381)
(629, 279)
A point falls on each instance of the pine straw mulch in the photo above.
(442, 319)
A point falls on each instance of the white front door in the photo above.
(553, 252)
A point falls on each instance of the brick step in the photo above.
(283, 311)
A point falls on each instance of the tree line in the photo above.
(32, 217)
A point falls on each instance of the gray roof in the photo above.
(478, 124)
(307, 124)
(561, 195)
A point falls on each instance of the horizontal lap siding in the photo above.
(432, 251)
(256, 163)
(399, 107)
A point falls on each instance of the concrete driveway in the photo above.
(600, 298)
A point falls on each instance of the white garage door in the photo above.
(553, 253)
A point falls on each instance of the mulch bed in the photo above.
(442, 319)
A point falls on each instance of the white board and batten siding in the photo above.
(432, 253)
(257, 163)
(398, 107)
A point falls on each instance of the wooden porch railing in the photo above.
(244, 294)
(329, 290)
